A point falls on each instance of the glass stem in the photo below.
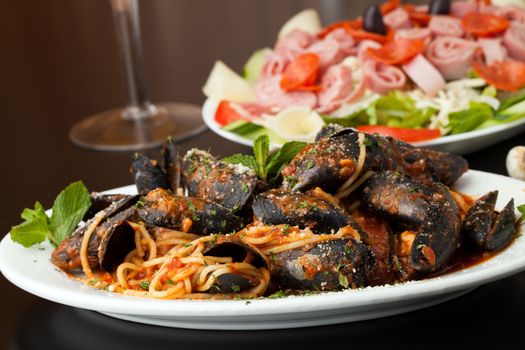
(127, 25)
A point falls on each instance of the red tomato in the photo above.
(407, 135)
(420, 18)
(484, 24)
(226, 114)
(301, 73)
(397, 51)
(389, 6)
(508, 75)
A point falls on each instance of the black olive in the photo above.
(439, 7)
(373, 20)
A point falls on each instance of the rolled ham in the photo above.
(346, 43)
(273, 64)
(293, 43)
(397, 19)
(451, 56)
(413, 34)
(269, 93)
(382, 78)
(512, 13)
(329, 52)
(446, 26)
(492, 49)
(461, 8)
(424, 75)
(363, 47)
(336, 86)
(514, 41)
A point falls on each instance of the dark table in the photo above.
(59, 64)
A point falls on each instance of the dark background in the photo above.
(59, 63)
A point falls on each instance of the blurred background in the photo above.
(59, 63)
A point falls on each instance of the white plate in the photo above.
(464, 143)
(32, 270)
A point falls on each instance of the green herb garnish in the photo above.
(145, 285)
(68, 210)
(267, 165)
(343, 280)
(235, 288)
(521, 209)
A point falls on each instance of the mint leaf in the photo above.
(34, 229)
(278, 159)
(246, 160)
(69, 208)
(261, 148)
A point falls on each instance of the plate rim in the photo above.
(210, 105)
(375, 296)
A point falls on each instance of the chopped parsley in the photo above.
(286, 230)
(145, 285)
(278, 294)
(235, 288)
(310, 164)
(169, 282)
(302, 204)
(244, 187)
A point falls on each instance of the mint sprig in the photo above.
(68, 210)
(521, 209)
(267, 165)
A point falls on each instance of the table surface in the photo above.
(59, 64)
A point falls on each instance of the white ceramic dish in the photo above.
(465, 143)
(32, 270)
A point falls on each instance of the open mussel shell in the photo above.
(101, 201)
(486, 227)
(117, 239)
(239, 251)
(325, 266)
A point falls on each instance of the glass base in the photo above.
(115, 130)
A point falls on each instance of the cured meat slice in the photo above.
(382, 78)
(397, 19)
(446, 26)
(514, 41)
(424, 75)
(451, 56)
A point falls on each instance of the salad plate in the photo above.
(464, 143)
(448, 77)
(31, 269)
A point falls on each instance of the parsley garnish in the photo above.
(235, 288)
(244, 187)
(310, 164)
(286, 230)
(277, 295)
(302, 204)
(168, 282)
(145, 285)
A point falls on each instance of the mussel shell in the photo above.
(231, 283)
(276, 207)
(117, 241)
(101, 201)
(397, 197)
(161, 208)
(479, 217)
(503, 229)
(148, 174)
(233, 247)
(232, 186)
(329, 265)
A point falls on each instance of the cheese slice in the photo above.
(307, 20)
(224, 84)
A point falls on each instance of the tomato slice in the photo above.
(484, 24)
(418, 17)
(226, 114)
(301, 73)
(508, 75)
(346, 25)
(389, 6)
(397, 51)
(404, 134)
(360, 34)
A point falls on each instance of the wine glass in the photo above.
(141, 124)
